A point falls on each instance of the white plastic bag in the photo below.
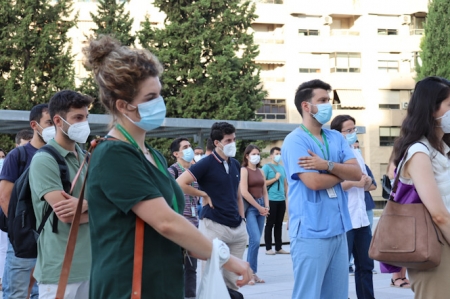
(212, 284)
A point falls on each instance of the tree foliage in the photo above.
(112, 19)
(435, 44)
(208, 57)
(35, 59)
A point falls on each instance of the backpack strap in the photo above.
(22, 159)
(278, 181)
(65, 179)
(175, 171)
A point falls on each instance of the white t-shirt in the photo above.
(440, 164)
(356, 203)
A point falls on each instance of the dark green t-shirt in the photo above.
(119, 178)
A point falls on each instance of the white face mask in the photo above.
(47, 133)
(445, 122)
(197, 158)
(78, 132)
(230, 149)
(254, 159)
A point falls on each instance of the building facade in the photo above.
(367, 51)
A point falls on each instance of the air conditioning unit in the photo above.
(327, 20)
(405, 105)
(406, 19)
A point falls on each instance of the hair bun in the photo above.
(97, 49)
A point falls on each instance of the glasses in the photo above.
(355, 129)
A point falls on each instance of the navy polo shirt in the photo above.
(222, 188)
(370, 204)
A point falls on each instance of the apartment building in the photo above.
(367, 50)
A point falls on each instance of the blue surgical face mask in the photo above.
(152, 114)
(351, 138)
(277, 158)
(1, 163)
(188, 154)
(324, 112)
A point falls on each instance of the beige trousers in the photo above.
(235, 238)
(433, 283)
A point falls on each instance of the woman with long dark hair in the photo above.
(254, 192)
(424, 142)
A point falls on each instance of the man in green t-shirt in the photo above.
(69, 112)
(277, 190)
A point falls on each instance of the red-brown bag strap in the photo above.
(71, 242)
(136, 288)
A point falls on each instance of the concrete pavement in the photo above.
(276, 270)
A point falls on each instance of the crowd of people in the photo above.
(208, 194)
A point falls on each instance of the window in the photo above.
(345, 62)
(388, 66)
(272, 109)
(414, 62)
(309, 70)
(389, 106)
(308, 32)
(387, 32)
(388, 135)
(417, 25)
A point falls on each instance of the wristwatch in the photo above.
(330, 165)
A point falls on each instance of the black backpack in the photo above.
(22, 163)
(22, 231)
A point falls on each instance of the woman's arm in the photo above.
(177, 229)
(265, 195)
(420, 170)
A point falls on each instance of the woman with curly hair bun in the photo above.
(129, 179)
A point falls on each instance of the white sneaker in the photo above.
(270, 252)
(282, 251)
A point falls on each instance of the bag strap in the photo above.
(22, 159)
(136, 287)
(175, 171)
(399, 170)
(278, 181)
(71, 242)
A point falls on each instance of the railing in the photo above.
(269, 40)
(344, 32)
(272, 79)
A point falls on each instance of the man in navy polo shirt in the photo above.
(218, 176)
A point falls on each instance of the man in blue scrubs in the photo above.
(317, 160)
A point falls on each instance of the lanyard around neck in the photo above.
(326, 157)
(158, 163)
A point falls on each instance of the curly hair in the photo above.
(119, 70)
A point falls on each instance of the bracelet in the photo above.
(245, 220)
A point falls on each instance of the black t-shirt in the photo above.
(222, 187)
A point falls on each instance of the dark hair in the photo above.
(175, 145)
(25, 134)
(338, 121)
(209, 144)
(219, 129)
(37, 111)
(275, 148)
(247, 151)
(64, 100)
(119, 70)
(198, 147)
(2, 150)
(420, 122)
(305, 92)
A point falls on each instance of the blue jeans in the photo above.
(16, 277)
(370, 216)
(255, 226)
(320, 267)
(358, 240)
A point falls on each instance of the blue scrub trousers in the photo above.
(320, 267)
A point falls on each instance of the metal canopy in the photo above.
(12, 121)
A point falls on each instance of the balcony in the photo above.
(275, 89)
(344, 32)
(342, 7)
(271, 54)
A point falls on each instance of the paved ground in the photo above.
(277, 272)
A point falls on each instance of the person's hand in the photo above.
(207, 201)
(66, 207)
(313, 162)
(263, 211)
(362, 182)
(241, 268)
(277, 175)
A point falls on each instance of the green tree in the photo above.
(112, 19)
(208, 57)
(35, 52)
(435, 44)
